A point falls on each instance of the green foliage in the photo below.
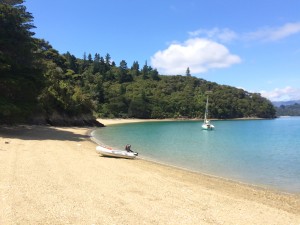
(288, 110)
(123, 73)
(20, 69)
(124, 92)
(11, 2)
(181, 96)
(35, 78)
(188, 72)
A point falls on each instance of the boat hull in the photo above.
(207, 127)
(115, 153)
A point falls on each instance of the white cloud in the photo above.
(198, 54)
(285, 94)
(223, 35)
(275, 33)
(226, 35)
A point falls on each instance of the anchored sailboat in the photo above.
(206, 123)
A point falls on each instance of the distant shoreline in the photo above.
(108, 122)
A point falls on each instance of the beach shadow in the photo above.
(25, 132)
(115, 158)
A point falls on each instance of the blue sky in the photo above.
(254, 45)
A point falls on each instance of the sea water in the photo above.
(259, 152)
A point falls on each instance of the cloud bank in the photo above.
(223, 35)
(285, 94)
(274, 33)
(199, 54)
(266, 34)
(203, 51)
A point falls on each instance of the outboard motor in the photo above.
(128, 149)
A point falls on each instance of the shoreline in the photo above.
(109, 122)
(53, 175)
(116, 121)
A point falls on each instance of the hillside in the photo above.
(42, 86)
(180, 96)
(288, 110)
(280, 103)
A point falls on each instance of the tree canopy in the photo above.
(35, 79)
(288, 110)
(21, 75)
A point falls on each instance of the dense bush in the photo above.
(37, 80)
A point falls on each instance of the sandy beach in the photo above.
(51, 175)
(108, 122)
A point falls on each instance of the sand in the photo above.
(51, 175)
(108, 122)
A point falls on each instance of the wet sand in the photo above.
(51, 175)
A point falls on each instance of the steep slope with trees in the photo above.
(21, 75)
(39, 85)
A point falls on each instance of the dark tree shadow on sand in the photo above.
(25, 132)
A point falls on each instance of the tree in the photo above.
(188, 73)
(135, 69)
(139, 107)
(124, 76)
(154, 74)
(21, 77)
(288, 110)
(11, 2)
(90, 59)
(145, 71)
(15, 37)
(71, 62)
(48, 53)
(96, 63)
(123, 65)
(107, 59)
(34, 77)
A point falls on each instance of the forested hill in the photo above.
(285, 103)
(39, 85)
(288, 110)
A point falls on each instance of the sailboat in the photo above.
(206, 123)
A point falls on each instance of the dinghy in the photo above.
(107, 151)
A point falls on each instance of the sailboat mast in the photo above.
(206, 109)
(206, 124)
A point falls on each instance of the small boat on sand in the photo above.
(107, 151)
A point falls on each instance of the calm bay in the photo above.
(259, 152)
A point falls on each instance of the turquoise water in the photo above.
(260, 152)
